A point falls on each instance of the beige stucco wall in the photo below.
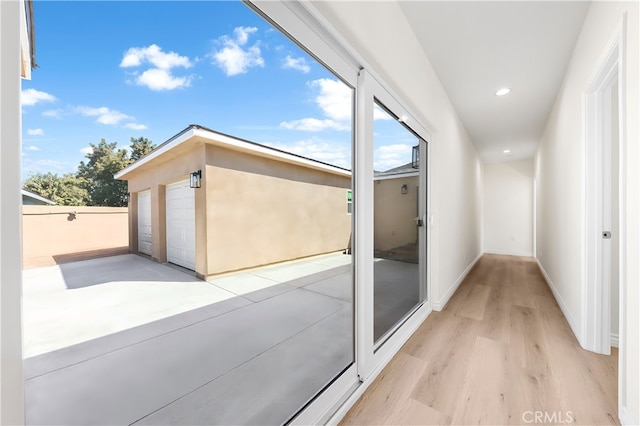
(394, 213)
(172, 167)
(250, 210)
(50, 234)
(262, 211)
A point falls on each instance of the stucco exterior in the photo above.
(255, 206)
(52, 234)
(395, 212)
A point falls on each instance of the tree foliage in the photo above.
(65, 190)
(93, 184)
(140, 147)
(104, 161)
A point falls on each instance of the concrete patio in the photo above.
(124, 340)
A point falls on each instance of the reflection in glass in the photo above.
(398, 210)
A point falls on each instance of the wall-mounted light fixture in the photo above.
(404, 189)
(194, 180)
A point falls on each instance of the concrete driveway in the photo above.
(124, 340)
(75, 302)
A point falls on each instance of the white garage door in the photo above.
(181, 225)
(144, 222)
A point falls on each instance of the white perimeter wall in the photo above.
(456, 168)
(560, 176)
(508, 208)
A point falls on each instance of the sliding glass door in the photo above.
(399, 193)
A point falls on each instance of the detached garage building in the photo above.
(255, 205)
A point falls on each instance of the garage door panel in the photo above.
(180, 221)
(144, 222)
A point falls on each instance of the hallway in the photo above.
(500, 352)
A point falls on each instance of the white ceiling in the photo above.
(479, 47)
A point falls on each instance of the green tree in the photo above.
(65, 190)
(140, 147)
(104, 161)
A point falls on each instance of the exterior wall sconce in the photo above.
(195, 178)
(404, 189)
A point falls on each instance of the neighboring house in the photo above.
(32, 199)
(395, 207)
(246, 209)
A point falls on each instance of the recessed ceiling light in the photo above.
(506, 151)
(503, 91)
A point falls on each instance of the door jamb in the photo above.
(596, 309)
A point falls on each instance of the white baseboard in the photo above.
(561, 303)
(626, 419)
(510, 253)
(439, 305)
(615, 340)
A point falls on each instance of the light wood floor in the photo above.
(498, 353)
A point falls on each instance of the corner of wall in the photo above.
(440, 304)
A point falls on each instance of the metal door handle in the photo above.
(606, 235)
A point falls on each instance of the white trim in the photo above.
(561, 302)
(25, 48)
(322, 409)
(172, 143)
(399, 339)
(11, 366)
(358, 58)
(626, 419)
(397, 176)
(439, 305)
(230, 142)
(615, 340)
(596, 309)
(37, 197)
(509, 252)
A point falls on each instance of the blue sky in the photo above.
(118, 69)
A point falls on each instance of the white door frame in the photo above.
(371, 359)
(596, 309)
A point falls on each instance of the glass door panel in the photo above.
(399, 215)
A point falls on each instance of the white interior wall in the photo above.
(456, 168)
(560, 175)
(508, 208)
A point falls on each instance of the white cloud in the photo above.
(327, 152)
(31, 166)
(32, 96)
(333, 98)
(380, 114)
(314, 125)
(35, 132)
(299, 64)
(136, 126)
(104, 115)
(234, 58)
(159, 76)
(390, 156)
(33, 148)
(153, 54)
(86, 150)
(161, 79)
(54, 113)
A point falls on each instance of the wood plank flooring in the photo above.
(501, 352)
